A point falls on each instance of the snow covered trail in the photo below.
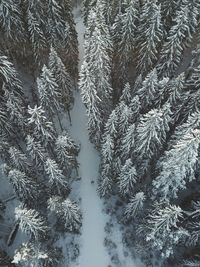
(93, 253)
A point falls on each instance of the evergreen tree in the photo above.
(183, 103)
(150, 36)
(101, 68)
(36, 33)
(11, 22)
(175, 90)
(9, 77)
(108, 149)
(192, 123)
(35, 150)
(193, 14)
(126, 96)
(42, 129)
(86, 9)
(168, 8)
(193, 226)
(12, 102)
(171, 54)
(148, 90)
(135, 107)
(110, 11)
(6, 128)
(30, 255)
(128, 142)
(128, 32)
(55, 175)
(191, 104)
(127, 178)
(56, 23)
(30, 221)
(135, 205)
(163, 229)
(24, 186)
(70, 55)
(161, 96)
(67, 211)
(92, 102)
(112, 124)
(116, 31)
(15, 108)
(106, 178)
(105, 186)
(19, 160)
(98, 50)
(124, 117)
(62, 79)
(49, 92)
(115, 127)
(193, 83)
(178, 166)
(137, 83)
(151, 133)
(66, 152)
(4, 147)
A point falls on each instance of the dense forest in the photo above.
(140, 84)
(39, 158)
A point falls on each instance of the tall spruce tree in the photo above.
(175, 173)
(62, 78)
(179, 35)
(55, 175)
(163, 230)
(92, 103)
(67, 211)
(42, 128)
(30, 222)
(49, 92)
(128, 32)
(11, 23)
(150, 36)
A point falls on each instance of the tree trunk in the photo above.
(59, 121)
(69, 115)
(13, 234)
(9, 199)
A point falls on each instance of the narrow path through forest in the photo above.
(93, 252)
